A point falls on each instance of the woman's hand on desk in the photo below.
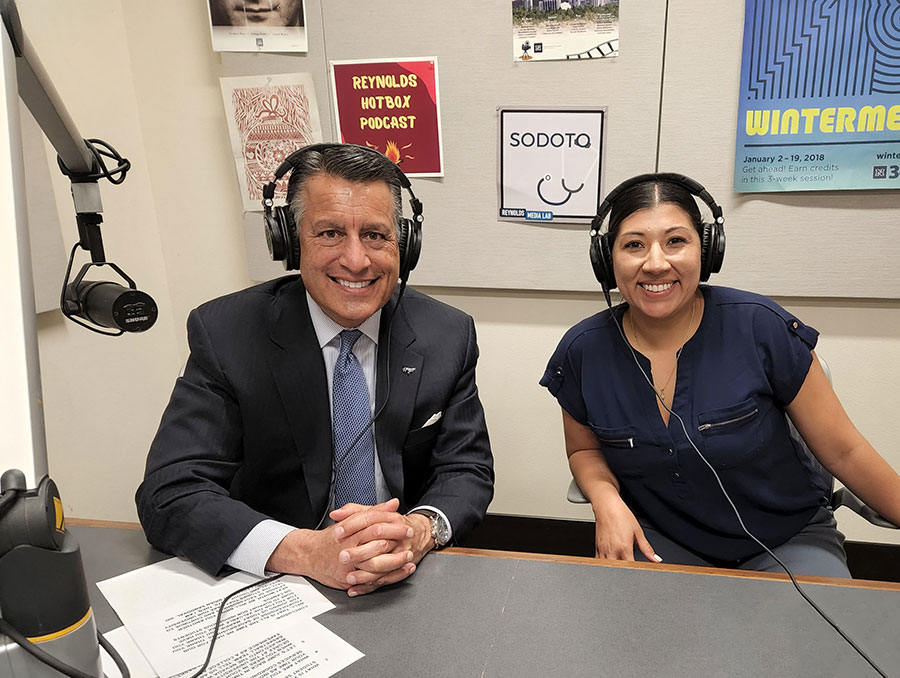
(616, 530)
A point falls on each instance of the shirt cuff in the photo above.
(440, 513)
(252, 554)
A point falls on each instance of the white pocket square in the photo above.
(433, 419)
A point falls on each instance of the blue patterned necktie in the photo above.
(354, 446)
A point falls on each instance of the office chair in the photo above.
(839, 497)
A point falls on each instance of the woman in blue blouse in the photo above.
(729, 365)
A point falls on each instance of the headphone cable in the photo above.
(336, 464)
(734, 508)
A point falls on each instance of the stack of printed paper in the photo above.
(169, 611)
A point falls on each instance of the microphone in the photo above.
(111, 305)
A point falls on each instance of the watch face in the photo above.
(439, 531)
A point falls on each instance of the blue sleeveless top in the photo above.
(743, 366)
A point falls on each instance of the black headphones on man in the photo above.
(283, 238)
(712, 243)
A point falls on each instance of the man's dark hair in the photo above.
(350, 162)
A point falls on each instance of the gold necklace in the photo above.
(662, 390)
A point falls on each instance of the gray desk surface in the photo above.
(466, 615)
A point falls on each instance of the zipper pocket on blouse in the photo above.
(617, 442)
(706, 427)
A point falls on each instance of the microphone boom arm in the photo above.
(37, 91)
(107, 305)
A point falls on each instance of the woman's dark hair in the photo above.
(649, 194)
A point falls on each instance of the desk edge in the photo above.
(717, 572)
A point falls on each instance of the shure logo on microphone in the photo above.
(138, 319)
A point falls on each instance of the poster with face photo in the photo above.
(258, 25)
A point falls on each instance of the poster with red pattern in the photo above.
(269, 117)
(393, 106)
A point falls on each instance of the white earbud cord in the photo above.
(727, 496)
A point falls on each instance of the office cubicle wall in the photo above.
(672, 106)
(465, 245)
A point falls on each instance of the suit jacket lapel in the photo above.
(299, 373)
(405, 371)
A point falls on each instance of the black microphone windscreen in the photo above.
(112, 305)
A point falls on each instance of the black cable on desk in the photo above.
(734, 508)
(212, 642)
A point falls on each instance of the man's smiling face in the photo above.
(349, 257)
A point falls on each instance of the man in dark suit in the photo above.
(260, 447)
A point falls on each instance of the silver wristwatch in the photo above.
(440, 531)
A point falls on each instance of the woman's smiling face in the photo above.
(656, 259)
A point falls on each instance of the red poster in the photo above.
(391, 106)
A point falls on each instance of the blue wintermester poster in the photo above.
(820, 96)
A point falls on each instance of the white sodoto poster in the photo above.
(551, 163)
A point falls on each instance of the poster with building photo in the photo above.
(559, 30)
(258, 25)
(269, 117)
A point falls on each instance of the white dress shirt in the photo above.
(253, 552)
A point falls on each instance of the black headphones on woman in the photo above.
(712, 241)
(283, 239)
